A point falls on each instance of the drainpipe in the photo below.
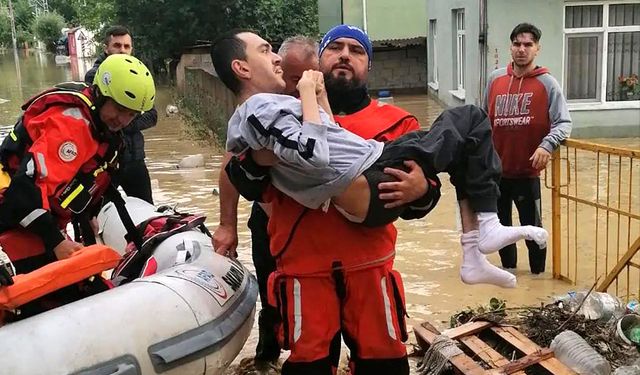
(482, 45)
(364, 16)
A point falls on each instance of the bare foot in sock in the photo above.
(494, 236)
(476, 269)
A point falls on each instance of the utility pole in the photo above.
(39, 6)
(15, 47)
(13, 30)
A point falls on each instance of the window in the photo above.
(433, 54)
(602, 52)
(459, 50)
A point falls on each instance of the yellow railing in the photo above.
(595, 199)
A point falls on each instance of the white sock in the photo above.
(476, 269)
(494, 236)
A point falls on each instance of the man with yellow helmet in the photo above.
(60, 157)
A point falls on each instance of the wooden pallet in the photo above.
(467, 334)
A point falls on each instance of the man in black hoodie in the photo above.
(134, 175)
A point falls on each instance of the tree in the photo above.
(301, 17)
(275, 20)
(23, 14)
(95, 14)
(48, 28)
(263, 16)
(67, 9)
(161, 29)
(5, 30)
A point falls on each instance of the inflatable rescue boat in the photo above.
(187, 311)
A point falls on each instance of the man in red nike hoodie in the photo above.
(530, 118)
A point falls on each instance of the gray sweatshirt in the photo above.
(317, 161)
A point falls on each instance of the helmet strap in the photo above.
(100, 129)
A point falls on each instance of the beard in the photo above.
(340, 85)
(345, 95)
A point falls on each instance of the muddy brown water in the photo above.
(428, 252)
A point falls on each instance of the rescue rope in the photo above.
(436, 359)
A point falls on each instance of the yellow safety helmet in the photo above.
(127, 81)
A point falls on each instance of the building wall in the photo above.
(352, 13)
(193, 59)
(606, 123)
(547, 15)
(329, 14)
(593, 120)
(502, 17)
(399, 69)
(207, 94)
(385, 19)
(396, 19)
(446, 47)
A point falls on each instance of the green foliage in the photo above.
(5, 30)
(23, 14)
(301, 17)
(161, 29)
(95, 15)
(204, 123)
(47, 28)
(23, 36)
(67, 9)
(275, 20)
(263, 16)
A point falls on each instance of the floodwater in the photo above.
(428, 251)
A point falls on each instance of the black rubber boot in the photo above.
(268, 349)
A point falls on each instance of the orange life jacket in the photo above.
(307, 242)
(85, 188)
(380, 121)
(90, 182)
(84, 263)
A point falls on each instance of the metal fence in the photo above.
(595, 197)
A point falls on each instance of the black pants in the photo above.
(460, 143)
(268, 348)
(134, 178)
(525, 192)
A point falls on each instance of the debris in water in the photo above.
(541, 324)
